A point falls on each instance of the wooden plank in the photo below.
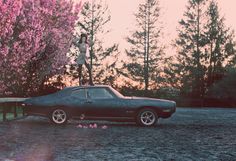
(12, 99)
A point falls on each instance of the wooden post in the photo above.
(4, 112)
(1, 111)
(15, 113)
(23, 110)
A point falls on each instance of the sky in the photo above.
(123, 19)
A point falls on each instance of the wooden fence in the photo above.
(11, 106)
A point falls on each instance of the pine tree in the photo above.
(190, 48)
(220, 46)
(205, 48)
(145, 52)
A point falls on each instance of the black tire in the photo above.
(146, 117)
(59, 116)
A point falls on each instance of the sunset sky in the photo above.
(123, 19)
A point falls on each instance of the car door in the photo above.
(101, 102)
(76, 100)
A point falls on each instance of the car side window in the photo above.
(99, 93)
(79, 93)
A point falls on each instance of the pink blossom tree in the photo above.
(35, 36)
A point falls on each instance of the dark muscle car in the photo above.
(99, 102)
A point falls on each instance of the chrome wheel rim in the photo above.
(59, 116)
(148, 118)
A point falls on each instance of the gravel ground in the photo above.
(190, 134)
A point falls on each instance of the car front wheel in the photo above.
(147, 117)
(59, 116)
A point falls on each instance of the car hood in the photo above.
(152, 101)
(148, 99)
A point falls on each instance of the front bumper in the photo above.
(165, 113)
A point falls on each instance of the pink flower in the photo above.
(85, 127)
(95, 126)
(104, 127)
(79, 126)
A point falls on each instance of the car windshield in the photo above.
(118, 94)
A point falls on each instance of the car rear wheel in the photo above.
(147, 117)
(59, 116)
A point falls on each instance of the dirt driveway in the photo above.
(190, 134)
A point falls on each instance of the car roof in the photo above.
(88, 86)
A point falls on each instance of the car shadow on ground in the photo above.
(42, 121)
(45, 122)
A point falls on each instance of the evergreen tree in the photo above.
(222, 57)
(145, 52)
(190, 48)
(205, 48)
(220, 46)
